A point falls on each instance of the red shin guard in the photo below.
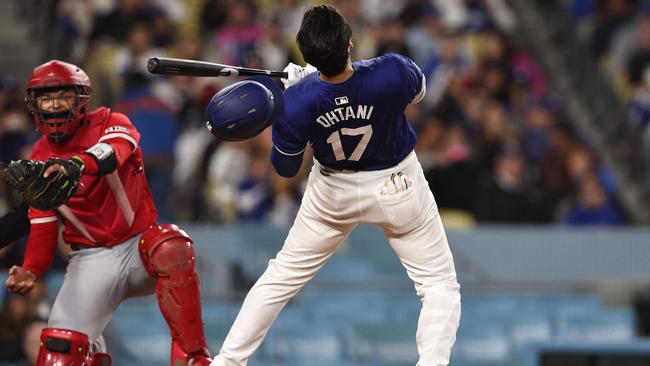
(167, 254)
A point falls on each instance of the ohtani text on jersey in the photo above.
(343, 114)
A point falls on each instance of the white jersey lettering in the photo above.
(341, 114)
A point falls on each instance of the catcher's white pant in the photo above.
(96, 281)
(333, 204)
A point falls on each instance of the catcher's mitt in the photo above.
(44, 193)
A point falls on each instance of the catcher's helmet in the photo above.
(56, 75)
(244, 109)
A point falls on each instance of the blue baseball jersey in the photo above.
(358, 124)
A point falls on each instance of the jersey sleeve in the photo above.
(41, 244)
(37, 216)
(290, 132)
(119, 128)
(117, 142)
(412, 79)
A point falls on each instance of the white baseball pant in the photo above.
(333, 204)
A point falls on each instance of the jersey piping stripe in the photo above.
(42, 220)
(120, 135)
(122, 199)
(289, 154)
(74, 220)
(419, 96)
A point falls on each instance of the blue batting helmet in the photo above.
(244, 109)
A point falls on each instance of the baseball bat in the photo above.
(184, 67)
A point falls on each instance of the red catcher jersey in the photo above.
(105, 210)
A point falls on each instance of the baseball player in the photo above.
(365, 171)
(118, 250)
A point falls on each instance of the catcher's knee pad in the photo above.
(166, 250)
(68, 347)
(167, 255)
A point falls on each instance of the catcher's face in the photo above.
(57, 112)
(56, 101)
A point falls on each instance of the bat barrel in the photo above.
(173, 66)
(170, 66)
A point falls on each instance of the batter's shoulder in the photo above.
(304, 90)
(389, 60)
(303, 84)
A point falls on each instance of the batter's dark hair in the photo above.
(324, 39)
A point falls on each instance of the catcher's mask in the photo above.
(244, 109)
(57, 96)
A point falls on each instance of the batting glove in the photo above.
(295, 73)
(398, 182)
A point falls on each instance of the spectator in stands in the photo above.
(494, 130)
(115, 26)
(609, 17)
(639, 55)
(507, 195)
(16, 130)
(452, 177)
(213, 15)
(14, 317)
(32, 340)
(423, 32)
(254, 199)
(539, 118)
(593, 206)
(237, 38)
(582, 162)
(163, 31)
(555, 180)
(447, 64)
(639, 110)
(391, 38)
(628, 39)
(156, 121)
(274, 45)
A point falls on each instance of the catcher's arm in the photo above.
(41, 247)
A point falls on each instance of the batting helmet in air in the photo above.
(244, 109)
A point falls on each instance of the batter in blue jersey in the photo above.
(357, 124)
(365, 172)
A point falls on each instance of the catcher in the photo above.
(86, 172)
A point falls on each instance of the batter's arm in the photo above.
(287, 165)
(423, 91)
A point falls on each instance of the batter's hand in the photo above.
(20, 280)
(295, 73)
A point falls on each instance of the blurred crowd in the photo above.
(21, 320)
(617, 33)
(495, 144)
